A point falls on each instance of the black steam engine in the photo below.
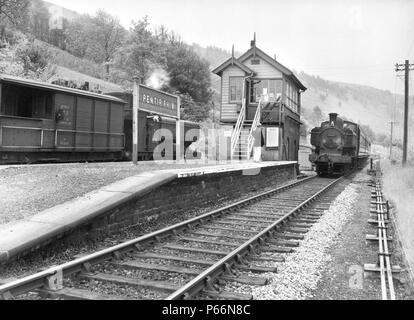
(338, 146)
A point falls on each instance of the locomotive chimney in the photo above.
(332, 118)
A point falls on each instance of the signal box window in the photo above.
(236, 89)
(272, 86)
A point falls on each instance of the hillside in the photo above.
(364, 104)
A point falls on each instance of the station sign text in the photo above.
(157, 102)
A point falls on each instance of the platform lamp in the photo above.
(135, 107)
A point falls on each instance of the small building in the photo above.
(260, 94)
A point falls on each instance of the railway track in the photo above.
(384, 255)
(192, 259)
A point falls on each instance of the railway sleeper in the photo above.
(204, 262)
(232, 223)
(374, 237)
(309, 216)
(264, 258)
(297, 230)
(261, 216)
(150, 266)
(375, 221)
(231, 229)
(313, 212)
(254, 281)
(304, 220)
(196, 250)
(150, 284)
(247, 220)
(300, 224)
(288, 199)
(271, 212)
(220, 243)
(276, 249)
(257, 269)
(220, 235)
(374, 269)
(288, 235)
(281, 242)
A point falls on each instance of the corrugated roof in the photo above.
(53, 87)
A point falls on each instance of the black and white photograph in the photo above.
(223, 153)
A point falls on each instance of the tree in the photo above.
(139, 51)
(369, 133)
(109, 36)
(189, 73)
(35, 58)
(13, 11)
(78, 36)
(190, 110)
(95, 38)
(317, 116)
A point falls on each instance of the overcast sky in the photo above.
(343, 40)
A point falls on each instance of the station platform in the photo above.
(141, 195)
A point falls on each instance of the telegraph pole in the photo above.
(405, 67)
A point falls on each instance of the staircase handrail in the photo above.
(255, 123)
(239, 124)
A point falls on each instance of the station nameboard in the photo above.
(158, 102)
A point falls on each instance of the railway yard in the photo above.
(231, 232)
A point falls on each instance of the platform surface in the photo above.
(21, 235)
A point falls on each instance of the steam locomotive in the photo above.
(338, 146)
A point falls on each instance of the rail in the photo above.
(236, 256)
(52, 278)
(383, 254)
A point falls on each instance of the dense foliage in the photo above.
(159, 57)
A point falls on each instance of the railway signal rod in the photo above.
(405, 67)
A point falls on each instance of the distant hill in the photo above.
(364, 104)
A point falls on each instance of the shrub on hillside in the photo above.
(8, 63)
(35, 58)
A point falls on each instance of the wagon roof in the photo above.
(53, 87)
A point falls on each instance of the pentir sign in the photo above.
(158, 102)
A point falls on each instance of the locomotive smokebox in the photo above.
(332, 118)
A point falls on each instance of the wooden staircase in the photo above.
(241, 152)
(243, 134)
(242, 139)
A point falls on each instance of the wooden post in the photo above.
(135, 107)
(406, 99)
(179, 136)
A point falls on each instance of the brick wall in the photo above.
(185, 194)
